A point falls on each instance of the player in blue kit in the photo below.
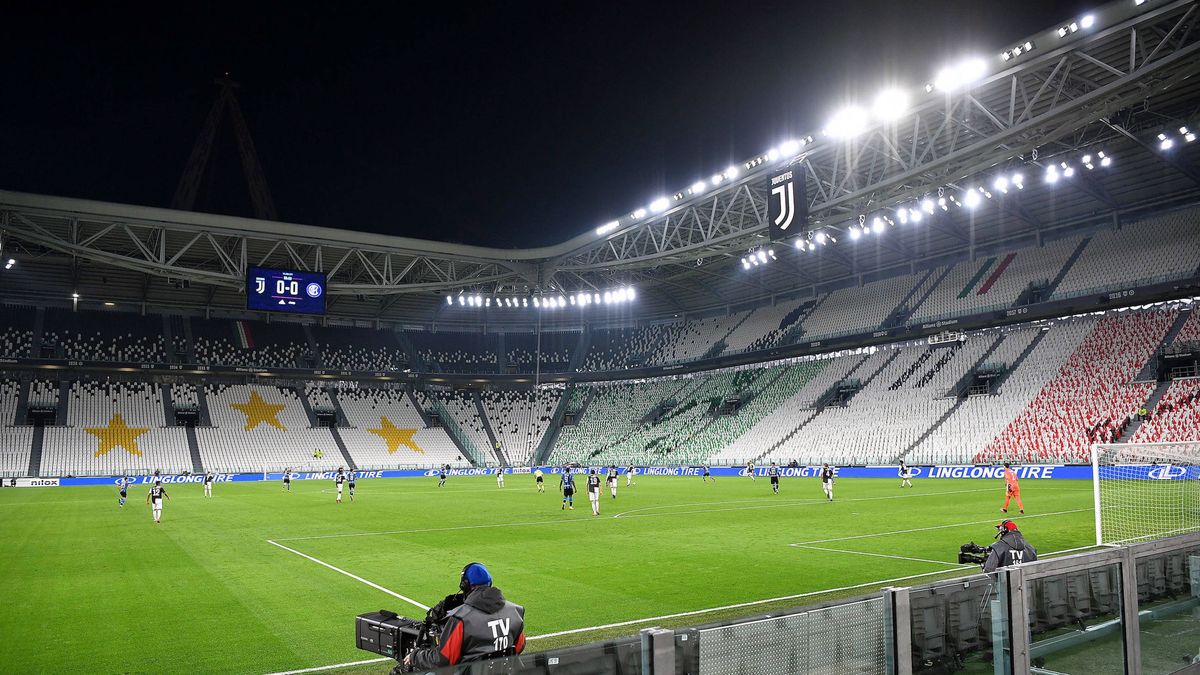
(567, 485)
(350, 483)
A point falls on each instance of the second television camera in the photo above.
(973, 554)
(388, 634)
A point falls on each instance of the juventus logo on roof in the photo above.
(787, 214)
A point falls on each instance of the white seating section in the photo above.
(1156, 249)
(43, 391)
(184, 394)
(461, 407)
(367, 408)
(229, 446)
(519, 419)
(856, 309)
(114, 427)
(761, 328)
(317, 396)
(10, 391)
(15, 446)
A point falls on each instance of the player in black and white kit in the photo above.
(123, 486)
(750, 470)
(612, 480)
(629, 476)
(442, 476)
(155, 499)
(208, 481)
(773, 472)
(593, 489)
(827, 478)
(350, 482)
(339, 480)
(706, 476)
(905, 475)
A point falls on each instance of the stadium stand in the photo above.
(621, 348)
(461, 407)
(96, 336)
(556, 351)
(1156, 249)
(16, 330)
(379, 436)
(229, 342)
(10, 391)
(1089, 400)
(1176, 417)
(763, 327)
(454, 352)
(114, 427)
(257, 428)
(856, 309)
(1190, 331)
(43, 391)
(519, 419)
(361, 349)
(993, 282)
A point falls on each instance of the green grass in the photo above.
(87, 586)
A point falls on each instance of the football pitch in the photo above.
(258, 580)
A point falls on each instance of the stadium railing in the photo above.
(1130, 609)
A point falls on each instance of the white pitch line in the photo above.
(934, 527)
(336, 665)
(881, 555)
(794, 502)
(339, 570)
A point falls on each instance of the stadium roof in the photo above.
(1109, 82)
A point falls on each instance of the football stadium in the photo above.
(914, 391)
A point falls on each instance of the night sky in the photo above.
(506, 124)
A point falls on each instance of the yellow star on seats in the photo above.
(116, 434)
(396, 437)
(258, 411)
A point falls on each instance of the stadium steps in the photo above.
(308, 411)
(932, 287)
(410, 352)
(487, 428)
(548, 439)
(168, 339)
(64, 402)
(1150, 404)
(194, 449)
(39, 331)
(190, 344)
(829, 393)
(1062, 274)
(22, 405)
(900, 313)
(337, 439)
(1020, 359)
(793, 334)
(464, 444)
(581, 349)
(202, 399)
(887, 362)
(35, 451)
(168, 402)
(419, 408)
(960, 387)
(318, 359)
(1149, 372)
(959, 398)
(342, 420)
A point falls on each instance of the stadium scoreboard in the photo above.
(275, 290)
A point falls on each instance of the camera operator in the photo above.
(484, 626)
(1010, 548)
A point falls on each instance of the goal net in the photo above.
(1145, 491)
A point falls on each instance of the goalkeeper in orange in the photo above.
(1012, 489)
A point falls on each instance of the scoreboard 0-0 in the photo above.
(274, 290)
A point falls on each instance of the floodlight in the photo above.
(1006, 55)
(789, 147)
(1069, 171)
(820, 237)
(716, 179)
(1162, 136)
(607, 227)
(640, 213)
(1166, 144)
(607, 297)
(461, 301)
(631, 293)
(914, 215)
(927, 205)
(971, 198)
(942, 203)
(1052, 175)
(890, 104)
(562, 302)
(1001, 184)
(659, 205)
(698, 187)
(572, 300)
(847, 123)
(1073, 26)
(537, 303)
(1183, 130)
(745, 264)
(961, 74)
(1106, 161)
(878, 225)
(1019, 181)
(1189, 137)
(488, 301)
(1087, 21)
(902, 214)
(762, 257)
(772, 155)
(75, 296)
(1028, 46)
(449, 300)
(854, 233)
(731, 172)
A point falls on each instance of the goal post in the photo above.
(1145, 491)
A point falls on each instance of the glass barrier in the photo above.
(1169, 610)
(954, 625)
(1075, 621)
(611, 657)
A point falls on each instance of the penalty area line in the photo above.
(348, 664)
(881, 555)
(355, 577)
(992, 521)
